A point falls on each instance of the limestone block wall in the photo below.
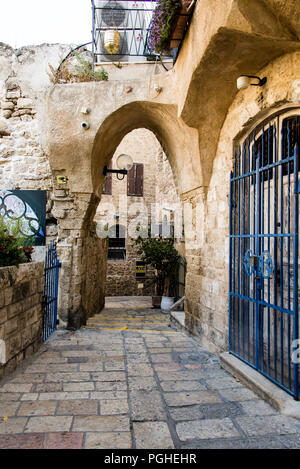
(21, 290)
(207, 312)
(24, 80)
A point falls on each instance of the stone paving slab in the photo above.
(104, 389)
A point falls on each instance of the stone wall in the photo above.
(21, 290)
(158, 188)
(24, 80)
(197, 116)
(207, 304)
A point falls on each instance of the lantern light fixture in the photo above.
(247, 80)
(124, 163)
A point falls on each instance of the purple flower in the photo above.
(161, 25)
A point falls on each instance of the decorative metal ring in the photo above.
(265, 265)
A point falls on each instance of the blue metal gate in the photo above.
(180, 278)
(263, 250)
(49, 303)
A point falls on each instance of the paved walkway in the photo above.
(128, 380)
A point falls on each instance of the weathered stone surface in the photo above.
(108, 440)
(114, 406)
(161, 419)
(48, 424)
(267, 424)
(146, 405)
(152, 435)
(37, 408)
(175, 399)
(206, 429)
(13, 425)
(24, 103)
(64, 440)
(19, 441)
(181, 386)
(78, 407)
(7, 105)
(21, 318)
(103, 423)
(4, 128)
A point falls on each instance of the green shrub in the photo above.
(12, 250)
(161, 254)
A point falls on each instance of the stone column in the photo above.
(83, 256)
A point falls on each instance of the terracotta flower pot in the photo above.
(156, 301)
(180, 23)
(186, 3)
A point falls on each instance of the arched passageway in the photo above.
(75, 204)
(145, 200)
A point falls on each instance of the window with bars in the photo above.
(117, 243)
(135, 180)
(290, 138)
(269, 148)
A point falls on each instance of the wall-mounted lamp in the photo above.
(124, 163)
(61, 179)
(247, 80)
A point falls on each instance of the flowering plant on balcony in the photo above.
(162, 25)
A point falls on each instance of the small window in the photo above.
(135, 180)
(263, 149)
(117, 243)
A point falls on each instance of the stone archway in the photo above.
(80, 156)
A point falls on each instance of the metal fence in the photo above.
(180, 278)
(132, 22)
(49, 303)
(263, 250)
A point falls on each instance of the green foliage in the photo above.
(163, 257)
(162, 25)
(84, 72)
(12, 249)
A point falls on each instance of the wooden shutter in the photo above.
(107, 188)
(135, 180)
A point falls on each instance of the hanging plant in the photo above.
(112, 41)
(162, 24)
(168, 15)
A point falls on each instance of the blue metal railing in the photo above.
(49, 303)
(263, 251)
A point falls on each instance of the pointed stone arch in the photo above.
(179, 142)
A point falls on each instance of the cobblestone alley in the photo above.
(128, 380)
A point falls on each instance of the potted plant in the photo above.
(160, 253)
(169, 20)
(180, 22)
